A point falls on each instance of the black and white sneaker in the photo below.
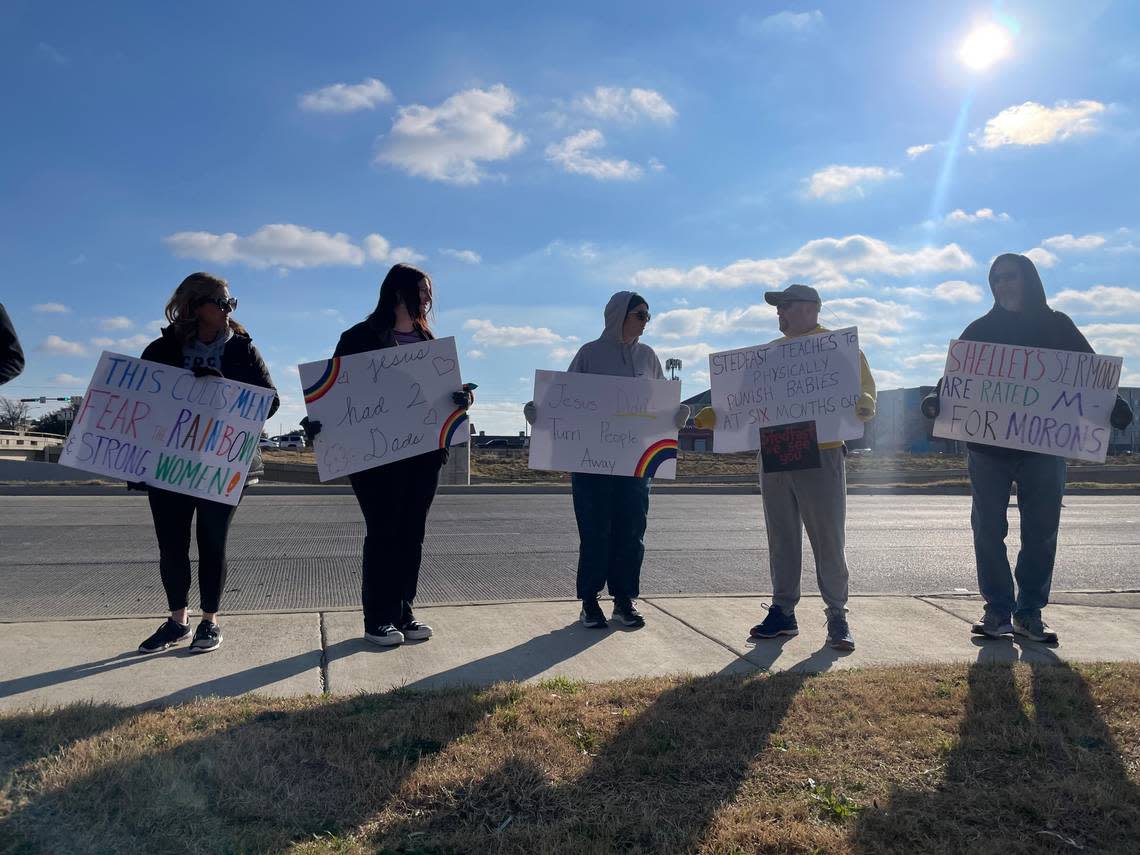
(993, 625)
(170, 633)
(415, 630)
(1032, 627)
(625, 612)
(386, 635)
(207, 637)
(592, 615)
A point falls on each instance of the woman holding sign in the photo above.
(395, 498)
(202, 337)
(611, 510)
(1020, 316)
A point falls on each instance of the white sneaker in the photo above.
(385, 636)
(993, 626)
(1035, 629)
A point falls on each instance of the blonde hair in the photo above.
(181, 307)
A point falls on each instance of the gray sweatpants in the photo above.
(818, 497)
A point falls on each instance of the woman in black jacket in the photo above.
(395, 498)
(204, 338)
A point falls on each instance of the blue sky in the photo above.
(535, 161)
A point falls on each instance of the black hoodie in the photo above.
(11, 356)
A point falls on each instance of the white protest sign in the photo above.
(807, 378)
(605, 425)
(1032, 398)
(384, 405)
(145, 421)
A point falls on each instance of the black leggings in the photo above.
(395, 500)
(173, 513)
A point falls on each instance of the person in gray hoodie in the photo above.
(611, 510)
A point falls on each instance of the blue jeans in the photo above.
(611, 511)
(1040, 483)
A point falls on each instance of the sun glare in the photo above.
(985, 46)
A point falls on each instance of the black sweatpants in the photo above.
(395, 500)
(611, 511)
(173, 513)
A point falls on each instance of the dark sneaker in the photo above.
(838, 632)
(207, 637)
(778, 622)
(1035, 629)
(592, 615)
(415, 630)
(993, 626)
(386, 636)
(625, 612)
(170, 633)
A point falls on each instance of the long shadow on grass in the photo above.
(655, 786)
(1033, 771)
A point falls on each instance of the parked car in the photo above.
(266, 442)
(290, 440)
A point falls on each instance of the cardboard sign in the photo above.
(786, 448)
(145, 421)
(385, 405)
(605, 425)
(1030, 398)
(808, 378)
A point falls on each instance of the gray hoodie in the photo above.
(610, 355)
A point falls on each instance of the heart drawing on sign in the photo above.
(431, 418)
(443, 365)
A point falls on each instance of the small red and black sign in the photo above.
(784, 448)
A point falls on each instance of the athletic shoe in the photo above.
(592, 615)
(207, 637)
(170, 633)
(838, 632)
(1032, 627)
(625, 612)
(778, 622)
(386, 636)
(993, 626)
(414, 630)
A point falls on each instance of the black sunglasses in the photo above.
(642, 315)
(226, 304)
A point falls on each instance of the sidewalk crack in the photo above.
(701, 632)
(947, 611)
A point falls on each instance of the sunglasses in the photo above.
(226, 304)
(642, 315)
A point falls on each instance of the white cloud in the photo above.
(921, 359)
(689, 354)
(1035, 124)
(825, 262)
(103, 341)
(885, 379)
(475, 354)
(61, 347)
(1114, 339)
(785, 23)
(448, 142)
(878, 320)
(285, 245)
(960, 216)
(467, 256)
(67, 380)
(840, 182)
(571, 154)
(405, 255)
(690, 323)
(346, 97)
(563, 354)
(1098, 300)
(52, 308)
(122, 345)
(915, 151)
(957, 291)
(1041, 257)
(116, 323)
(376, 247)
(1076, 244)
(584, 251)
(487, 333)
(52, 53)
(629, 105)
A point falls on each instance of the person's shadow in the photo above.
(1035, 769)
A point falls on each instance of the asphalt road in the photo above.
(80, 556)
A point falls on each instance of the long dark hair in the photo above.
(182, 306)
(402, 284)
(1033, 293)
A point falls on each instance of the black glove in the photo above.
(311, 428)
(141, 486)
(465, 397)
(1121, 416)
(204, 371)
(931, 406)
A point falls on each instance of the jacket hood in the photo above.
(615, 317)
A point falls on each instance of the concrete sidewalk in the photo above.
(49, 663)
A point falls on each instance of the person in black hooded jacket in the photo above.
(1020, 316)
(204, 338)
(11, 356)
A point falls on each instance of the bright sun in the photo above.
(985, 46)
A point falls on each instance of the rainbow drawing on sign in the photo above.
(325, 382)
(655, 455)
(450, 426)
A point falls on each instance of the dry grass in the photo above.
(989, 758)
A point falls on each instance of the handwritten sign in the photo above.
(1031, 398)
(605, 425)
(145, 421)
(385, 405)
(809, 378)
(786, 448)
